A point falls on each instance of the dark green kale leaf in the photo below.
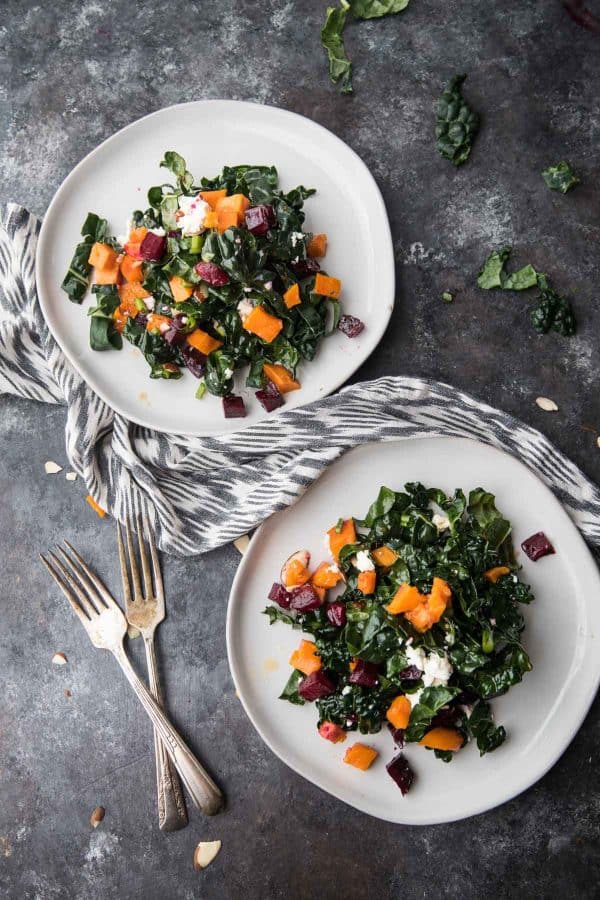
(495, 528)
(430, 702)
(154, 349)
(504, 670)
(290, 691)
(560, 177)
(481, 727)
(553, 312)
(176, 164)
(76, 281)
(456, 123)
(219, 373)
(340, 67)
(103, 334)
(276, 614)
(372, 638)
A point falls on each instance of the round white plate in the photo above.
(541, 715)
(114, 179)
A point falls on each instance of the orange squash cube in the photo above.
(203, 342)
(366, 582)
(263, 324)
(213, 197)
(317, 246)
(305, 658)
(131, 269)
(236, 202)
(339, 539)
(406, 598)
(398, 712)
(442, 739)
(180, 288)
(102, 256)
(326, 576)
(384, 556)
(360, 756)
(291, 297)
(327, 286)
(281, 378)
(128, 294)
(497, 572)
(211, 219)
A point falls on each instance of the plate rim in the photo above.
(386, 263)
(476, 808)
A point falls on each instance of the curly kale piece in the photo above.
(456, 123)
(560, 177)
(553, 312)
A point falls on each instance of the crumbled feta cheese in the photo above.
(247, 290)
(244, 308)
(149, 302)
(413, 699)
(416, 656)
(159, 231)
(346, 690)
(268, 285)
(184, 320)
(363, 561)
(194, 211)
(237, 241)
(437, 670)
(441, 522)
(492, 621)
(349, 723)
(295, 237)
(164, 326)
(227, 373)
(123, 238)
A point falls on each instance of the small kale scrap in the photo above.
(76, 281)
(560, 177)
(456, 123)
(551, 311)
(332, 33)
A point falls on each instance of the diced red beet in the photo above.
(537, 546)
(260, 218)
(180, 322)
(365, 673)
(233, 407)
(305, 598)
(141, 319)
(305, 267)
(174, 337)
(280, 595)
(332, 732)
(399, 769)
(336, 613)
(350, 326)
(315, 686)
(153, 246)
(212, 273)
(194, 360)
(270, 398)
(410, 673)
(397, 735)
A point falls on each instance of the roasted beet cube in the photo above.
(233, 407)
(365, 673)
(332, 732)
(260, 218)
(278, 594)
(305, 267)
(180, 322)
(305, 598)
(336, 613)
(350, 326)
(537, 546)
(315, 686)
(270, 398)
(211, 273)
(153, 246)
(174, 338)
(194, 360)
(397, 735)
(446, 717)
(399, 769)
(410, 673)
(141, 319)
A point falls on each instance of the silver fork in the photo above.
(105, 624)
(145, 610)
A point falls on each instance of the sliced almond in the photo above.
(51, 467)
(546, 404)
(71, 476)
(598, 441)
(68, 693)
(204, 854)
(59, 659)
(97, 816)
(242, 543)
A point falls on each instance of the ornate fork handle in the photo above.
(172, 813)
(202, 789)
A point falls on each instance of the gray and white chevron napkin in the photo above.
(204, 492)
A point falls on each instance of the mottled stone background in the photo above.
(73, 73)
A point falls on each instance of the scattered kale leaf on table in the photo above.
(456, 123)
(332, 33)
(76, 281)
(560, 177)
(553, 312)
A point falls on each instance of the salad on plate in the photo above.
(415, 623)
(211, 278)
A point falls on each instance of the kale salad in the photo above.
(211, 278)
(415, 623)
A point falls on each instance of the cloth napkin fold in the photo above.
(204, 492)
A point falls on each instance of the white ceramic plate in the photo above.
(541, 715)
(113, 180)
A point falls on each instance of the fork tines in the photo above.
(150, 591)
(83, 589)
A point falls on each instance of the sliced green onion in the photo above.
(196, 243)
(487, 640)
(201, 390)
(139, 304)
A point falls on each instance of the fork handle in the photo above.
(172, 814)
(204, 792)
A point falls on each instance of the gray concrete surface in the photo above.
(75, 72)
